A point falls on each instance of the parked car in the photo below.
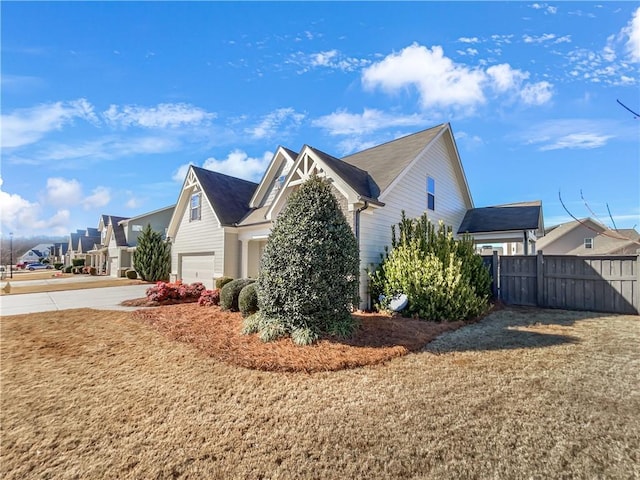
(38, 266)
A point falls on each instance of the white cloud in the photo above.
(100, 197)
(548, 9)
(62, 192)
(569, 134)
(536, 93)
(578, 140)
(180, 174)
(28, 125)
(133, 203)
(269, 125)
(332, 59)
(239, 164)
(23, 217)
(468, 40)
(545, 37)
(107, 148)
(505, 77)
(164, 115)
(370, 120)
(440, 81)
(632, 34)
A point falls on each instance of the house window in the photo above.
(588, 243)
(196, 206)
(431, 193)
(136, 228)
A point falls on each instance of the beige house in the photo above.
(220, 224)
(589, 237)
(113, 255)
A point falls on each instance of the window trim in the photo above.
(197, 209)
(588, 243)
(431, 193)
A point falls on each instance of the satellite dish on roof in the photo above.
(398, 302)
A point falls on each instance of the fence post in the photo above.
(495, 274)
(540, 279)
(636, 302)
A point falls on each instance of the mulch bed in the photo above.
(217, 334)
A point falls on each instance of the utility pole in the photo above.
(11, 254)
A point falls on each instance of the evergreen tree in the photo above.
(152, 256)
(308, 280)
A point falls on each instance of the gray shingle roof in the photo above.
(525, 216)
(385, 162)
(229, 196)
(357, 178)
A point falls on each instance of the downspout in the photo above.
(357, 232)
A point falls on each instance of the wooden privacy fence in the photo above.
(596, 283)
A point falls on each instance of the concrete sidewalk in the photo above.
(107, 298)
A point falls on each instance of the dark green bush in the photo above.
(152, 256)
(131, 274)
(77, 262)
(68, 269)
(443, 278)
(222, 281)
(248, 300)
(58, 266)
(230, 293)
(308, 281)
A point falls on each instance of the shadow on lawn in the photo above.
(513, 328)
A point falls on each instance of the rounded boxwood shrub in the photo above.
(68, 269)
(93, 271)
(131, 274)
(230, 293)
(248, 300)
(222, 281)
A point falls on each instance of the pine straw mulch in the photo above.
(217, 334)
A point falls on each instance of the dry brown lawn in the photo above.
(521, 394)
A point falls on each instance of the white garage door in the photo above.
(198, 268)
(113, 266)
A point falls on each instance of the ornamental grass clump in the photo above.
(443, 278)
(308, 281)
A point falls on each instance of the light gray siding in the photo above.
(232, 254)
(204, 235)
(410, 194)
(159, 222)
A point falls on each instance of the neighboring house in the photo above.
(80, 244)
(589, 237)
(59, 251)
(516, 225)
(221, 223)
(36, 254)
(119, 238)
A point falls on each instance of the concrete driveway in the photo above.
(107, 298)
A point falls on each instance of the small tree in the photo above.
(308, 280)
(152, 257)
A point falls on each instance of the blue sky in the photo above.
(105, 104)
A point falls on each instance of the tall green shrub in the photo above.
(443, 278)
(152, 256)
(308, 280)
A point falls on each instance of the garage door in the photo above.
(113, 266)
(198, 268)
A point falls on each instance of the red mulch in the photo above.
(218, 335)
